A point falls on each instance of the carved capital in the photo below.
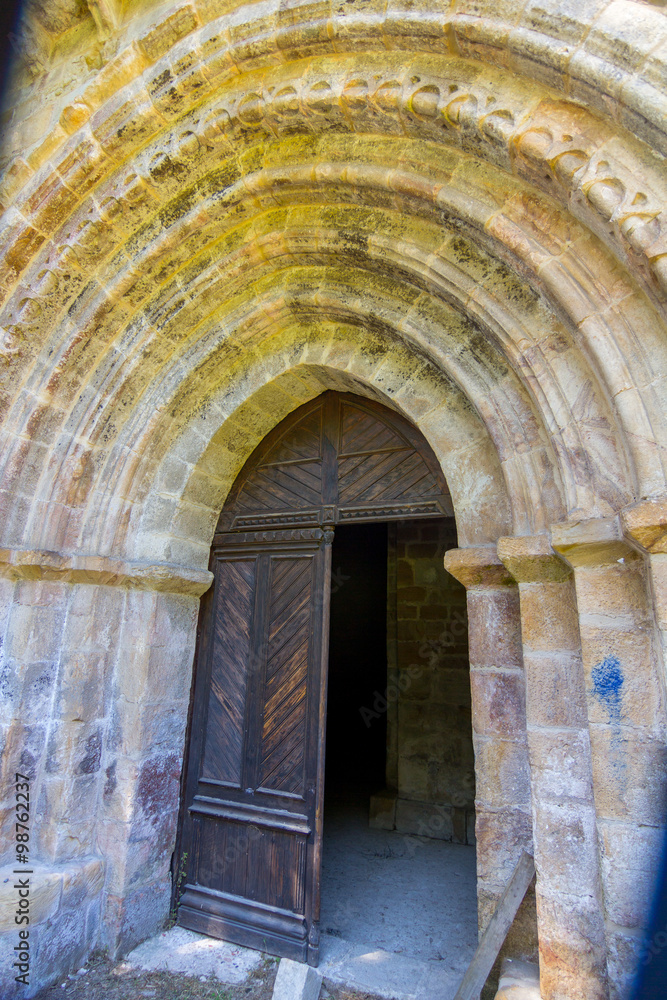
(477, 567)
(595, 542)
(645, 524)
(531, 559)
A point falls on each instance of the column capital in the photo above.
(645, 523)
(477, 567)
(595, 542)
(531, 559)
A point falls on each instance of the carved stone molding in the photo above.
(477, 568)
(27, 564)
(531, 559)
(645, 523)
(593, 542)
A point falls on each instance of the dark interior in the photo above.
(355, 751)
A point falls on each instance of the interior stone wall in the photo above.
(431, 726)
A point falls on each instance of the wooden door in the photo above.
(252, 831)
(251, 820)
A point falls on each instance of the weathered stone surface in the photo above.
(211, 215)
(518, 981)
(295, 981)
(429, 711)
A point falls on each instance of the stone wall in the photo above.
(435, 785)
(210, 217)
(95, 684)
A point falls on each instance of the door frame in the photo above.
(244, 525)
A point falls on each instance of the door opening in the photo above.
(252, 803)
(355, 751)
(398, 867)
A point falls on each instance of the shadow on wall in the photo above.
(652, 973)
(10, 12)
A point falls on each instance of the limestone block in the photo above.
(623, 683)
(158, 725)
(296, 982)
(614, 590)
(501, 836)
(555, 693)
(131, 918)
(646, 523)
(629, 774)
(572, 947)
(37, 681)
(625, 35)
(549, 619)
(659, 574)
(425, 819)
(45, 895)
(503, 774)
(34, 632)
(413, 777)
(495, 632)
(82, 881)
(518, 981)
(63, 943)
(498, 699)
(532, 559)
(624, 954)
(630, 862)
(565, 846)
(82, 696)
(560, 764)
(70, 811)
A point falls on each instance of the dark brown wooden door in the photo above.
(252, 831)
(251, 826)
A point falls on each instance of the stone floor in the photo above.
(399, 917)
(399, 913)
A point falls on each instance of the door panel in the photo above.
(285, 688)
(223, 747)
(254, 788)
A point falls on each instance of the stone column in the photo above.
(569, 898)
(503, 816)
(645, 526)
(624, 686)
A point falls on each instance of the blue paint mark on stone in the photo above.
(607, 683)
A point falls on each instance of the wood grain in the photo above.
(497, 929)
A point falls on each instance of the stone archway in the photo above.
(208, 219)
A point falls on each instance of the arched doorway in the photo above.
(251, 830)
